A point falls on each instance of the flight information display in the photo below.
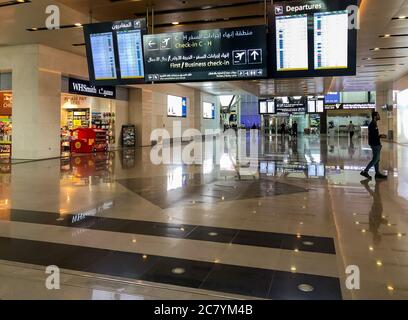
(267, 106)
(331, 40)
(218, 54)
(263, 107)
(130, 46)
(315, 38)
(115, 52)
(292, 44)
(103, 56)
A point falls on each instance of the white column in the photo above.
(36, 110)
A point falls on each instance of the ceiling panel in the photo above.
(374, 67)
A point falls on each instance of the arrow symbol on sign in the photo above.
(255, 54)
(151, 43)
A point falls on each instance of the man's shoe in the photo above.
(380, 176)
(365, 174)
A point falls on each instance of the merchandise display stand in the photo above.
(85, 140)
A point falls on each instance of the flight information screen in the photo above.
(267, 106)
(263, 109)
(313, 38)
(103, 56)
(292, 43)
(130, 46)
(331, 40)
(115, 52)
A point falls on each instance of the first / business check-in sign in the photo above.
(219, 54)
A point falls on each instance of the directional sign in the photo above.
(255, 56)
(218, 54)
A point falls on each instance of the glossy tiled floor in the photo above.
(120, 227)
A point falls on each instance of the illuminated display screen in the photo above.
(176, 106)
(263, 109)
(103, 56)
(115, 52)
(218, 54)
(331, 40)
(130, 46)
(208, 110)
(291, 44)
(312, 39)
(267, 106)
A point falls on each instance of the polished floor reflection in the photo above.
(120, 227)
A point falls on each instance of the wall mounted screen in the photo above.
(312, 39)
(176, 106)
(219, 54)
(208, 110)
(115, 52)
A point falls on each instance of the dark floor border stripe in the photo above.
(246, 281)
(179, 231)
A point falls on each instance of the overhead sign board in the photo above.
(219, 54)
(313, 38)
(115, 52)
(350, 106)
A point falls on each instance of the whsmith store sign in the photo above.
(85, 88)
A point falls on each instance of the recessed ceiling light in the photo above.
(178, 271)
(175, 23)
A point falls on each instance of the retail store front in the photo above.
(89, 113)
(6, 103)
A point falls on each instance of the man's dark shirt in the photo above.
(373, 134)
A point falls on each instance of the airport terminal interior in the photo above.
(203, 150)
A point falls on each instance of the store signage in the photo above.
(6, 102)
(219, 54)
(85, 88)
(350, 106)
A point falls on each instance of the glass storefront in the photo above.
(6, 124)
(86, 112)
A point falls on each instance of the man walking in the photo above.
(283, 129)
(374, 140)
(351, 129)
(295, 129)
